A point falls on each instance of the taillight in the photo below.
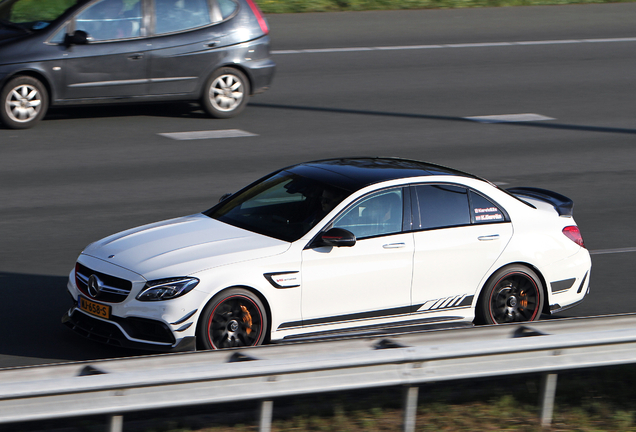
(259, 16)
(572, 232)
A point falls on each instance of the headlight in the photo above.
(166, 289)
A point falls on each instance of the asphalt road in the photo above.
(84, 173)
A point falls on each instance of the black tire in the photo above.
(233, 318)
(24, 102)
(512, 294)
(226, 93)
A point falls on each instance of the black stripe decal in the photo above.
(351, 317)
(468, 300)
(407, 323)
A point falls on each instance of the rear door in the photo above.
(185, 46)
(459, 234)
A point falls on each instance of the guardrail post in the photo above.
(116, 423)
(410, 408)
(548, 390)
(265, 416)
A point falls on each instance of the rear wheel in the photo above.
(226, 93)
(24, 102)
(513, 294)
(234, 318)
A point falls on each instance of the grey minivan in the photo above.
(73, 52)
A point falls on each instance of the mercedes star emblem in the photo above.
(95, 285)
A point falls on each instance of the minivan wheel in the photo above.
(24, 102)
(226, 93)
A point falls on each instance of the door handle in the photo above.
(212, 44)
(136, 57)
(488, 237)
(394, 245)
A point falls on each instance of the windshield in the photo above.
(284, 206)
(32, 14)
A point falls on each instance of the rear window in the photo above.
(483, 210)
(441, 206)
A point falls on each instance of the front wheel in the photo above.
(233, 318)
(24, 102)
(226, 93)
(513, 294)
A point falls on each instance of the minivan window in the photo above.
(111, 19)
(178, 15)
(227, 7)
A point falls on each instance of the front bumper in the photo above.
(157, 326)
(136, 333)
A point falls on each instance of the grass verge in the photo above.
(295, 6)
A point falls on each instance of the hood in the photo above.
(182, 247)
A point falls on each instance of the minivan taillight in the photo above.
(259, 16)
(572, 232)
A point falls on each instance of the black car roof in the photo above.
(355, 173)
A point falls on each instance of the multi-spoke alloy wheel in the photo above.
(226, 93)
(25, 101)
(513, 294)
(235, 318)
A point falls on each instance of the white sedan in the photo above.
(333, 246)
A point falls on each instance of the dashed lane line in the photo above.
(612, 251)
(210, 134)
(509, 118)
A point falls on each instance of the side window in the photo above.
(374, 215)
(483, 210)
(177, 15)
(60, 35)
(441, 206)
(111, 20)
(227, 7)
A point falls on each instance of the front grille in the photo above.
(114, 289)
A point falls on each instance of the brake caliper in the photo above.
(247, 319)
(524, 301)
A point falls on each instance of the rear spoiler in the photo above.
(562, 204)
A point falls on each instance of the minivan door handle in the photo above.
(137, 56)
(488, 237)
(394, 245)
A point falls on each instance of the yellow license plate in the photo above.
(100, 310)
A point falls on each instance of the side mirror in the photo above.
(337, 237)
(79, 37)
(225, 196)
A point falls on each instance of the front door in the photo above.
(114, 63)
(352, 286)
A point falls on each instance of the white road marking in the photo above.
(612, 251)
(196, 135)
(442, 46)
(509, 118)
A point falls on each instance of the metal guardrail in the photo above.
(120, 386)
